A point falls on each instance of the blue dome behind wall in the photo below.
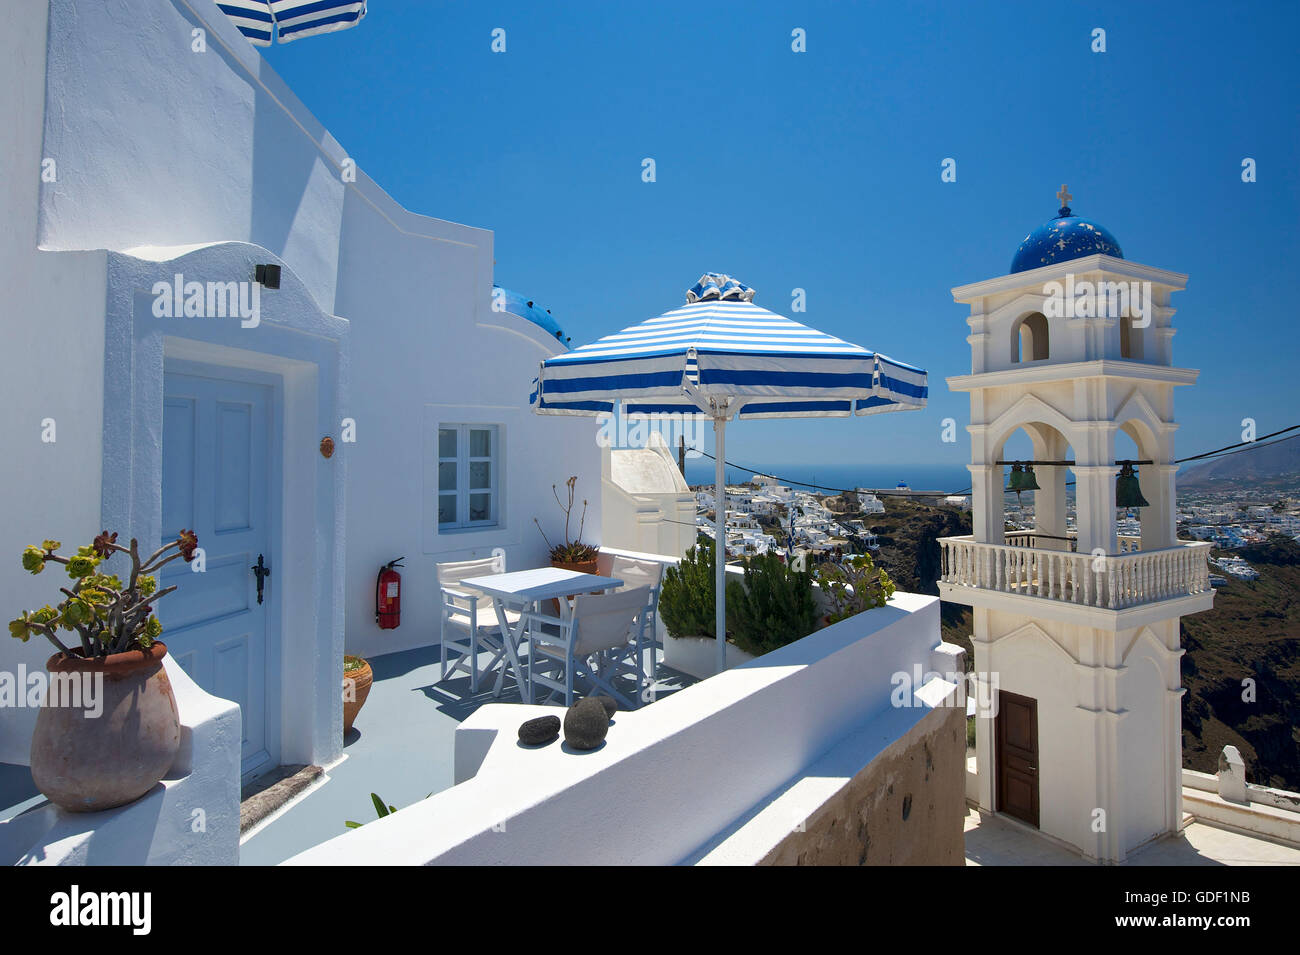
(516, 304)
(1063, 238)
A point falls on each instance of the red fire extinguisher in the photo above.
(388, 596)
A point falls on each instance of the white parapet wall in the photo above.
(190, 818)
(1226, 800)
(684, 776)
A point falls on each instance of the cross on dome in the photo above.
(1063, 237)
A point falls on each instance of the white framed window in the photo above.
(469, 458)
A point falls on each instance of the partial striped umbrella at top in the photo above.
(291, 19)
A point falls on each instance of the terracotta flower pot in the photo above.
(581, 566)
(354, 696)
(578, 566)
(107, 740)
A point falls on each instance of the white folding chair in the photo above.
(646, 574)
(467, 619)
(590, 643)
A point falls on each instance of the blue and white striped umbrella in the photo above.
(722, 356)
(294, 19)
(728, 354)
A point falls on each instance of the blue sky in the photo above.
(821, 170)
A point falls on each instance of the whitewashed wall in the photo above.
(646, 504)
(158, 145)
(51, 365)
(427, 348)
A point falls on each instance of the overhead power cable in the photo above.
(1230, 449)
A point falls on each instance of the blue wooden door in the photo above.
(216, 477)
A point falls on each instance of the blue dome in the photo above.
(1066, 237)
(516, 304)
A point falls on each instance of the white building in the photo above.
(868, 503)
(1078, 651)
(1236, 567)
(120, 176)
(646, 505)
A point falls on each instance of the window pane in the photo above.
(447, 476)
(446, 508)
(480, 507)
(480, 474)
(480, 443)
(446, 442)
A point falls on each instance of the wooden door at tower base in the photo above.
(1017, 756)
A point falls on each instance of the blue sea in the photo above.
(919, 477)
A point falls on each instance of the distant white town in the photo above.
(765, 515)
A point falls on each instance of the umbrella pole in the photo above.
(720, 539)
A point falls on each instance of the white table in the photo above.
(523, 590)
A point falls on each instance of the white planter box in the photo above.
(698, 656)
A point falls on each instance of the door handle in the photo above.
(261, 572)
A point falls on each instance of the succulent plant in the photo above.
(572, 551)
(106, 615)
(855, 586)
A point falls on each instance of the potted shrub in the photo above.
(689, 613)
(773, 607)
(573, 554)
(854, 586)
(357, 678)
(686, 601)
(109, 729)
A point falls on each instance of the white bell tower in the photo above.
(1076, 630)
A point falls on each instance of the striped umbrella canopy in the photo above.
(721, 356)
(292, 19)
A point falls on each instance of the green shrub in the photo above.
(686, 602)
(854, 586)
(773, 607)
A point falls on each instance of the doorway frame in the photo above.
(307, 350)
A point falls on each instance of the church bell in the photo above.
(1128, 493)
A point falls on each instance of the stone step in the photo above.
(267, 793)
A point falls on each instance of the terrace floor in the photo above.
(400, 748)
(993, 839)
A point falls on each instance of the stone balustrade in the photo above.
(1113, 582)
